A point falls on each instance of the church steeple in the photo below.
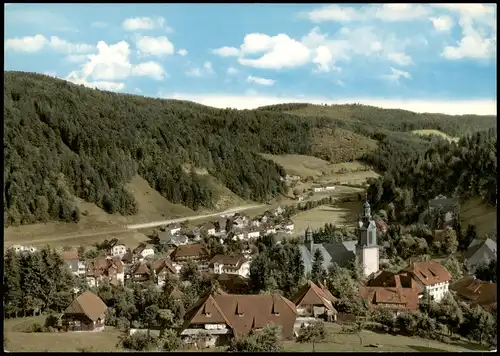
(366, 208)
(309, 240)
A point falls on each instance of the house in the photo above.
(268, 229)
(193, 252)
(288, 226)
(278, 211)
(163, 269)
(317, 188)
(446, 205)
(314, 301)
(20, 248)
(143, 251)
(141, 272)
(396, 299)
(240, 220)
(476, 292)
(168, 239)
(329, 187)
(174, 228)
(118, 250)
(105, 270)
(234, 264)
(253, 233)
(223, 316)
(236, 235)
(86, 313)
(255, 223)
(431, 276)
(480, 251)
(76, 266)
(208, 228)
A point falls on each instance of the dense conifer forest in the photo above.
(63, 140)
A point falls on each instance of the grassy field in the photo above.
(18, 340)
(435, 132)
(476, 212)
(387, 343)
(340, 214)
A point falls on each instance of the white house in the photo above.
(288, 226)
(316, 188)
(209, 228)
(235, 264)
(238, 235)
(329, 187)
(20, 248)
(253, 234)
(255, 223)
(268, 230)
(431, 276)
(144, 251)
(278, 211)
(118, 250)
(174, 228)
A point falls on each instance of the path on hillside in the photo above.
(195, 217)
(128, 228)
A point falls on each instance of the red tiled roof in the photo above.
(243, 313)
(70, 255)
(311, 294)
(192, 250)
(476, 291)
(429, 272)
(391, 298)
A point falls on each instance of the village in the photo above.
(174, 246)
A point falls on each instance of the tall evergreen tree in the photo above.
(12, 300)
(318, 273)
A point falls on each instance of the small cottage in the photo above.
(85, 313)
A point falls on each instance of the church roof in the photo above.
(338, 252)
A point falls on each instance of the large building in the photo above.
(365, 248)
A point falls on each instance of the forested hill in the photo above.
(62, 140)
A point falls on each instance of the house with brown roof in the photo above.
(208, 228)
(86, 313)
(476, 292)
(224, 316)
(232, 264)
(431, 276)
(143, 251)
(105, 270)
(163, 269)
(192, 252)
(396, 299)
(315, 301)
(76, 266)
(141, 272)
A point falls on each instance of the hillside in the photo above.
(65, 143)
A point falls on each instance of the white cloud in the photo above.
(442, 23)
(201, 72)
(323, 59)
(231, 71)
(182, 52)
(227, 51)
(385, 12)
(396, 74)
(64, 46)
(110, 64)
(478, 25)
(400, 58)
(149, 69)
(458, 107)
(260, 81)
(77, 58)
(28, 44)
(143, 23)
(154, 46)
(281, 51)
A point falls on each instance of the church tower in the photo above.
(367, 249)
(309, 240)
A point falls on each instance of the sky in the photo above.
(419, 57)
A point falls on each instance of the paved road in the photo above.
(196, 217)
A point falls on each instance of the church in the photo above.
(365, 248)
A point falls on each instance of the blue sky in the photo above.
(433, 58)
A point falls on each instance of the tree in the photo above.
(265, 340)
(470, 235)
(455, 268)
(487, 271)
(450, 242)
(318, 273)
(12, 279)
(313, 333)
(340, 283)
(170, 340)
(449, 313)
(150, 316)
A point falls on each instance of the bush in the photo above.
(52, 321)
(36, 328)
(139, 341)
(169, 341)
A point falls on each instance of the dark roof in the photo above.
(89, 304)
(235, 260)
(163, 264)
(476, 291)
(477, 244)
(192, 250)
(243, 313)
